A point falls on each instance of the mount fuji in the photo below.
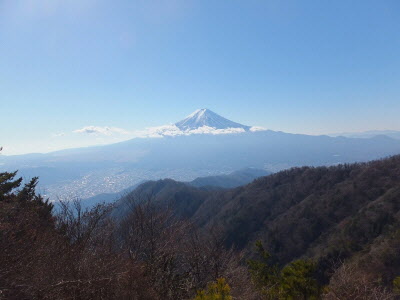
(205, 117)
(203, 144)
(201, 121)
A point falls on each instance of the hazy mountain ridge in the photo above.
(234, 179)
(394, 134)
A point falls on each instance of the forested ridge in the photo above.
(304, 233)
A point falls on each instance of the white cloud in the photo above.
(97, 130)
(257, 128)
(160, 131)
(173, 130)
(212, 130)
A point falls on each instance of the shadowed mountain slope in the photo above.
(232, 180)
(326, 213)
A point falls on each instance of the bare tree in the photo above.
(86, 254)
(350, 282)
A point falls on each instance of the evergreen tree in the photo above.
(396, 285)
(218, 290)
(294, 281)
(297, 280)
(264, 274)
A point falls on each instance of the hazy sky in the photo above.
(298, 66)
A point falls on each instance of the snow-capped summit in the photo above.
(205, 117)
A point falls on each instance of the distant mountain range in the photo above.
(204, 144)
(232, 180)
(369, 134)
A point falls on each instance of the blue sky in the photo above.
(301, 66)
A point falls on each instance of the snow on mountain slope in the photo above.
(205, 117)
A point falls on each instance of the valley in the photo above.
(199, 150)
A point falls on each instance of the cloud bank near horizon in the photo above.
(160, 131)
(98, 130)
